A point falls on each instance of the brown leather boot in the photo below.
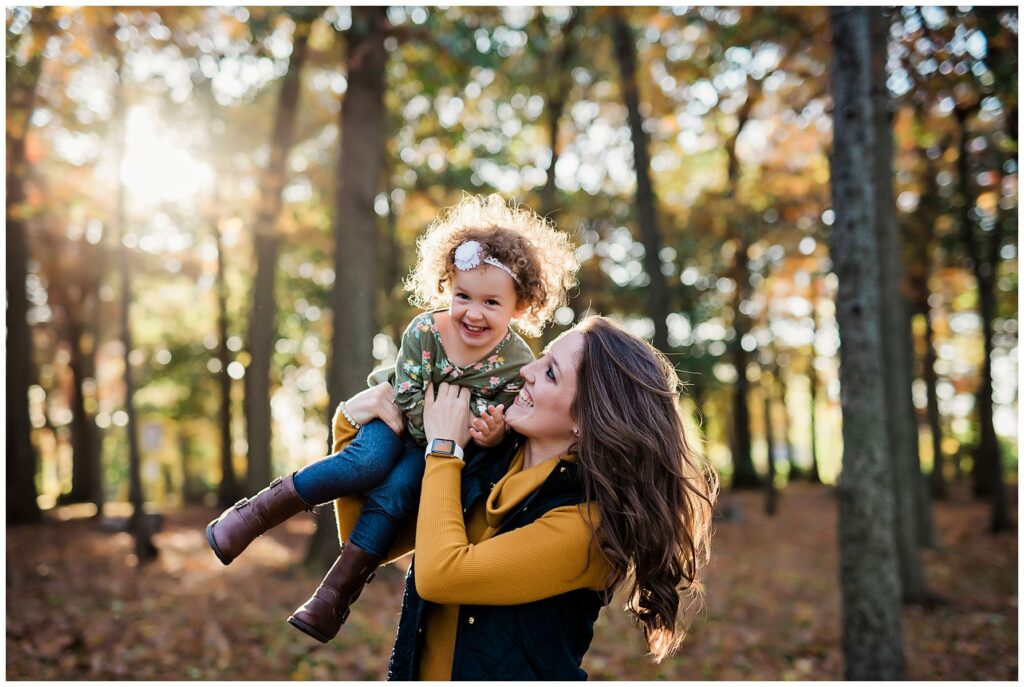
(239, 525)
(324, 613)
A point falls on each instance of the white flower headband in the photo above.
(468, 255)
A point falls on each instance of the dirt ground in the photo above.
(80, 607)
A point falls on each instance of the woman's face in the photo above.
(541, 411)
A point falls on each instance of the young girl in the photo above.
(486, 263)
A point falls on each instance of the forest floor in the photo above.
(80, 607)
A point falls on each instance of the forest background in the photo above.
(210, 212)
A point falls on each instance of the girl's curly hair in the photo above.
(542, 257)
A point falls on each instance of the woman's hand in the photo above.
(489, 429)
(447, 416)
(376, 402)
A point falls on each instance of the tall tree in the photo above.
(771, 493)
(897, 375)
(869, 573)
(21, 90)
(814, 474)
(138, 523)
(74, 269)
(360, 160)
(228, 489)
(744, 474)
(266, 238)
(646, 202)
(556, 90)
(983, 256)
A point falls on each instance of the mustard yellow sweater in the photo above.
(461, 561)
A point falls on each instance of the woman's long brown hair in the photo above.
(654, 498)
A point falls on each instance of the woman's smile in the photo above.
(524, 398)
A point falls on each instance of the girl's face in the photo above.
(483, 303)
(542, 410)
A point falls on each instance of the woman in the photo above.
(519, 546)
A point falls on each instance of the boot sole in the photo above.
(213, 545)
(309, 630)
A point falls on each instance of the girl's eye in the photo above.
(551, 373)
(462, 296)
(491, 301)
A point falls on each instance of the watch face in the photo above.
(443, 446)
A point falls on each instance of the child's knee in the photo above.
(378, 436)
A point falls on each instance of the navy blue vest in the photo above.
(543, 640)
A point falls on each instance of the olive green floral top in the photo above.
(492, 380)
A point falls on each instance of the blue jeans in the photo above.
(378, 464)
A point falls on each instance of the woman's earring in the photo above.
(575, 431)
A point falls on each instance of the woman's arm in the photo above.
(552, 555)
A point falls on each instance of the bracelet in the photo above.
(344, 411)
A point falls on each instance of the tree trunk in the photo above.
(869, 573)
(814, 474)
(771, 494)
(86, 481)
(939, 487)
(22, 82)
(897, 375)
(145, 550)
(646, 202)
(228, 491)
(354, 295)
(264, 306)
(558, 90)
(794, 470)
(988, 461)
(744, 474)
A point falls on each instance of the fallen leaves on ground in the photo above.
(80, 607)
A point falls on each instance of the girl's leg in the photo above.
(389, 503)
(355, 469)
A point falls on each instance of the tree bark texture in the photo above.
(21, 88)
(897, 376)
(869, 572)
(354, 296)
(646, 202)
(262, 320)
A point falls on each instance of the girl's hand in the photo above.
(447, 416)
(489, 429)
(377, 402)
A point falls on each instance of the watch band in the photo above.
(445, 447)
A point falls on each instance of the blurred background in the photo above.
(210, 212)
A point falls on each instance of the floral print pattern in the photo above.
(493, 380)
